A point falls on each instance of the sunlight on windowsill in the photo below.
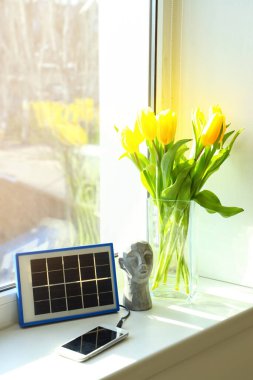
(176, 322)
(197, 313)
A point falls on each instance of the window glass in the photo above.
(59, 105)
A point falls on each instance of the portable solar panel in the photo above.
(66, 283)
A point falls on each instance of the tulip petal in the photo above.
(212, 130)
(166, 126)
(147, 123)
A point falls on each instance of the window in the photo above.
(71, 70)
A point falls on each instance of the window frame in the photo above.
(161, 53)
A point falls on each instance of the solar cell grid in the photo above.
(38, 265)
(71, 282)
(39, 278)
(41, 307)
(54, 263)
(86, 260)
(105, 298)
(70, 261)
(90, 300)
(103, 271)
(58, 304)
(73, 289)
(87, 273)
(40, 293)
(55, 277)
(71, 275)
(102, 258)
(57, 291)
(89, 287)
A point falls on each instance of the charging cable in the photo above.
(122, 320)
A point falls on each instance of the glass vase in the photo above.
(170, 234)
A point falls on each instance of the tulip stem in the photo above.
(173, 230)
(157, 151)
(137, 161)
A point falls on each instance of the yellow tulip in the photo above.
(71, 134)
(166, 126)
(199, 121)
(131, 140)
(147, 123)
(214, 128)
(89, 109)
(215, 109)
(137, 133)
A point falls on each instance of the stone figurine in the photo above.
(137, 263)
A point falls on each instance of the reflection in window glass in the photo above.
(49, 127)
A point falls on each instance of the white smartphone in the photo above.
(92, 342)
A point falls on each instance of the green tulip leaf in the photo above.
(196, 130)
(168, 161)
(152, 152)
(226, 136)
(180, 154)
(124, 155)
(200, 169)
(185, 190)
(214, 165)
(183, 166)
(148, 179)
(172, 192)
(234, 138)
(143, 160)
(212, 204)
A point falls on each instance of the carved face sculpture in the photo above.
(138, 262)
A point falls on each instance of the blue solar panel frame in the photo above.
(68, 283)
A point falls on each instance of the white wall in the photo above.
(217, 67)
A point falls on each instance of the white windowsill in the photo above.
(8, 308)
(7, 296)
(159, 339)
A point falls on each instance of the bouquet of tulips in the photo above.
(63, 125)
(174, 174)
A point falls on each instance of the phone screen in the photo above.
(92, 340)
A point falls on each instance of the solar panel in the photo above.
(67, 283)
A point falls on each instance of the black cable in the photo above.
(122, 320)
